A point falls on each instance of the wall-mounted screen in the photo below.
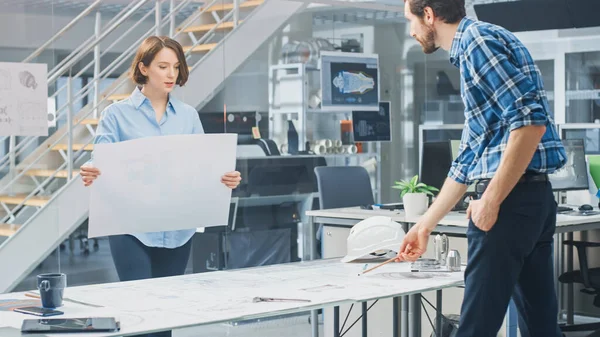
(349, 81)
(372, 126)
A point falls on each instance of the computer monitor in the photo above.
(372, 126)
(436, 160)
(573, 176)
(349, 81)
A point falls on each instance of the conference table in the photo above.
(457, 223)
(194, 301)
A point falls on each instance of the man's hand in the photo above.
(414, 244)
(231, 179)
(483, 213)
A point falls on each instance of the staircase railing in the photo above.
(65, 67)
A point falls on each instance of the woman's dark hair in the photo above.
(148, 50)
(450, 11)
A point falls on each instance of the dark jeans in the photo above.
(136, 261)
(513, 259)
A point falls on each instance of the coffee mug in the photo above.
(52, 287)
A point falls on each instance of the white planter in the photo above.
(415, 204)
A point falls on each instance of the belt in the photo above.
(482, 184)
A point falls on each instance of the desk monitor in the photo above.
(572, 176)
(435, 163)
(372, 126)
(349, 81)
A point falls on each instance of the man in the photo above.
(508, 146)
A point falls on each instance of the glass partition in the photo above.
(257, 73)
(582, 87)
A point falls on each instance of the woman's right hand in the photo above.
(88, 174)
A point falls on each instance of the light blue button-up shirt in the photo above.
(134, 118)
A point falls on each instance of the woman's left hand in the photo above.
(231, 179)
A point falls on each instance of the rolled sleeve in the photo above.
(458, 172)
(498, 78)
(461, 166)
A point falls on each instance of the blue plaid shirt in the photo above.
(502, 91)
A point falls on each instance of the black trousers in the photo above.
(513, 259)
(136, 261)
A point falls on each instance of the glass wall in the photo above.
(271, 75)
(583, 87)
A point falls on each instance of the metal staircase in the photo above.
(41, 196)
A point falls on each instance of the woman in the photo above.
(151, 111)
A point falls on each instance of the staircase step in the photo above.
(76, 147)
(90, 121)
(228, 7)
(37, 201)
(48, 173)
(8, 229)
(118, 97)
(200, 48)
(207, 27)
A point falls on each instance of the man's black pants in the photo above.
(513, 259)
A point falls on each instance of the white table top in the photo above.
(454, 219)
(206, 298)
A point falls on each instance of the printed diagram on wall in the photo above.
(23, 99)
(8, 114)
(27, 79)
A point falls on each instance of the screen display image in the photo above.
(372, 126)
(572, 176)
(349, 80)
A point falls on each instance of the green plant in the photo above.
(413, 186)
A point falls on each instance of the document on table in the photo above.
(161, 184)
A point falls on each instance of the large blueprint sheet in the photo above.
(161, 184)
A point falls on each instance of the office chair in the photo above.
(590, 278)
(342, 186)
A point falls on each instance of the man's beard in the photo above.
(428, 43)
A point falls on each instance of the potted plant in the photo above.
(414, 195)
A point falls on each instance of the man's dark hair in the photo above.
(450, 11)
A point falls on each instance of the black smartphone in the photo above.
(392, 206)
(38, 311)
(64, 325)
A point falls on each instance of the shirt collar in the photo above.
(455, 49)
(138, 98)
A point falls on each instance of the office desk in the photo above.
(194, 300)
(456, 223)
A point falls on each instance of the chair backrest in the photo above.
(343, 186)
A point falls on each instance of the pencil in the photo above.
(379, 265)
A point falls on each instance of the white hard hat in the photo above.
(375, 236)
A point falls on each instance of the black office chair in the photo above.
(342, 186)
(590, 278)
